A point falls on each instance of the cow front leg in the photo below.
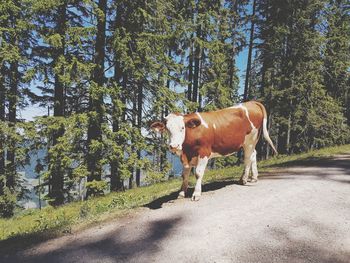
(185, 174)
(201, 165)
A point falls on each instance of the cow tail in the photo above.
(264, 127)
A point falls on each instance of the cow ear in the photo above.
(192, 123)
(158, 126)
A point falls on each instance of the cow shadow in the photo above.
(208, 187)
(114, 246)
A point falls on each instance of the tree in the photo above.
(250, 51)
(336, 53)
(61, 66)
(291, 69)
(96, 93)
(15, 39)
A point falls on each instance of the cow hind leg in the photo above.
(185, 174)
(202, 164)
(248, 152)
(249, 156)
(254, 168)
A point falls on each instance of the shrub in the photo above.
(7, 203)
(96, 188)
(153, 177)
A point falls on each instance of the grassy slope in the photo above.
(50, 222)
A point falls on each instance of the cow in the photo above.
(198, 137)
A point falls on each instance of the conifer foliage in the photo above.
(104, 69)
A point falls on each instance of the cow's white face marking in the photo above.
(214, 126)
(176, 126)
(202, 121)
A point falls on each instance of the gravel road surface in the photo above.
(296, 213)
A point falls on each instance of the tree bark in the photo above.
(190, 71)
(117, 117)
(288, 133)
(12, 100)
(250, 51)
(96, 100)
(197, 55)
(202, 58)
(139, 126)
(57, 176)
(2, 119)
(233, 37)
(165, 112)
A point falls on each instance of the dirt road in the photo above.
(299, 213)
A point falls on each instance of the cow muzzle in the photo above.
(175, 148)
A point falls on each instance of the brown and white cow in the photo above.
(198, 137)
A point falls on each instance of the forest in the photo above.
(105, 69)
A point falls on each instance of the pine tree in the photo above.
(62, 67)
(14, 42)
(291, 69)
(96, 93)
(246, 93)
(336, 54)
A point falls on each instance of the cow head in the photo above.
(176, 125)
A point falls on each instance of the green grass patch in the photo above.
(51, 221)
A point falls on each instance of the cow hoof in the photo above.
(181, 195)
(196, 196)
(254, 180)
(243, 182)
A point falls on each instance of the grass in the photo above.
(48, 222)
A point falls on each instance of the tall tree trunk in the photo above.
(250, 51)
(116, 181)
(57, 176)
(199, 81)
(134, 124)
(347, 104)
(165, 112)
(139, 126)
(96, 98)
(288, 133)
(268, 128)
(233, 39)
(12, 100)
(197, 54)
(190, 71)
(2, 119)
(12, 111)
